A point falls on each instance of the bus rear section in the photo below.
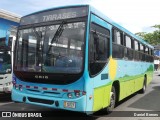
(49, 59)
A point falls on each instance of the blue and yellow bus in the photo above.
(75, 58)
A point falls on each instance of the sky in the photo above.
(134, 15)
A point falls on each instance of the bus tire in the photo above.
(144, 85)
(110, 108)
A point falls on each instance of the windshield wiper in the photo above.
(57, 34)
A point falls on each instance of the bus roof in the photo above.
(56, 8)
(101, 15)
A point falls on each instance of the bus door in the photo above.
(99, 53)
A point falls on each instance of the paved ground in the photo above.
(150, 101)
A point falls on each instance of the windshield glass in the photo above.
(5, 61)
(51, 49)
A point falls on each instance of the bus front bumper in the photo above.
(77, 104)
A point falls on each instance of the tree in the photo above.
(152, 38)
(156, 26)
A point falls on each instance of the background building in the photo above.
(157, 50)
(8, 24)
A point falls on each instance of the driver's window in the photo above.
(98, 48)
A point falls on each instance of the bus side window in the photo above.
(128, 48)
(98, 48)
(117, 44)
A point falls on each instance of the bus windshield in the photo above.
(51, 49)
(5, 61)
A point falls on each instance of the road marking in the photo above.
(6, 103)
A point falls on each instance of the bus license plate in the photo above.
(70, 104)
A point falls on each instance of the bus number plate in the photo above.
(70, 104)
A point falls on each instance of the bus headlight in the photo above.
(77, 94)
(16, 87)
(14, 80)
(69, 95)
(20, 88)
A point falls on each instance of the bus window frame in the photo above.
(105, 61)
(121, 36)
(126, 35)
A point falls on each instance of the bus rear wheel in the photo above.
(112, 100)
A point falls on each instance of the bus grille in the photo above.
(37, 100)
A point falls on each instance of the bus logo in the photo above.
(41, 77)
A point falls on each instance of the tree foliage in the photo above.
(152, 38)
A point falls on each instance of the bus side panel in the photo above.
(102, 87)
(149, 73)
(149, 77)
(139, 83)
(130, 86)
(101, 97)
(132, 77)
(126, 88)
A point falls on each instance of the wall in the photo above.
(5, 25)
(157, 52)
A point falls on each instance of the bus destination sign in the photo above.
(54, 15)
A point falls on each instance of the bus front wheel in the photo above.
(112, 100)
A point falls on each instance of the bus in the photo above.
(6, 60)
(75, 58)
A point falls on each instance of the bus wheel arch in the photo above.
(114, 96)
(145, 77)
(144, 84)
(116, 84)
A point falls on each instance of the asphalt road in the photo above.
(136, 104)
